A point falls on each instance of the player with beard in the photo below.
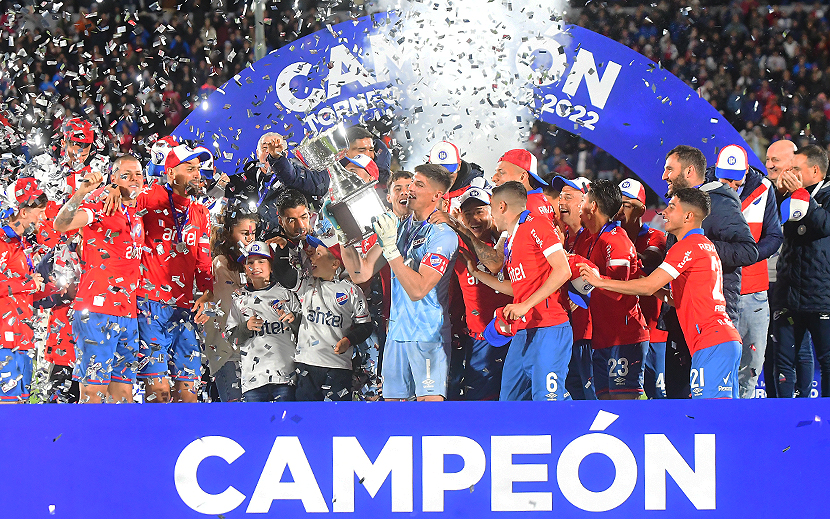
(517, 165)
(20, 281)
(104, 319)
(694, 270)
(482, 362)
(176, 255)
(727, 229)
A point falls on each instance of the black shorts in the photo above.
(315, 384)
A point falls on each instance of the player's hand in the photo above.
(386, 227)
(112, 200)
(342, 345)
(91, 180)
(439, 216)
(38, 279)
(255, 324)
(515, 311)
(559, 233)
(589, 275)
(470, 260)
(199, 307)
(223, 181)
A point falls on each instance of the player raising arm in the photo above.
(104, 322)
(694, 270)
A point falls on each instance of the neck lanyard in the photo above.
(818, 186)
(576, 238)
(133, 232)
(179, 219)
(23, 242)
(509, 245)
(607, 226)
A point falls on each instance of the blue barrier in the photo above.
(759, 458)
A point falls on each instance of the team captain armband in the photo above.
(436, 262)
(368, 243)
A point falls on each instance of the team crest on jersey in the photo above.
(276, 304)
(419, 241)
(341, 298)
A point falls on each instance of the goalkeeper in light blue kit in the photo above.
(421, 256)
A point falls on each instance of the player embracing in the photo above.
(619, 332)
(176, 255)
(536, 365)
(104, 320)
(694, 270)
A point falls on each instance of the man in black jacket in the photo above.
(757, 195)
(727, 229)
(802, 290)
(282, 173)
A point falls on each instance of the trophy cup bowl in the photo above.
(353, 201)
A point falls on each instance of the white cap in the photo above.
(445, 154)
(732, 163)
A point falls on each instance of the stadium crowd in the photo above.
(538, 280)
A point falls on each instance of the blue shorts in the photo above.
(15, 375)
(536, 365)
(715, 371)
(483, 367)
(105, 348)
(580, 381)
(167, 334)
(654, 382)
(619, 370)
(415, 369)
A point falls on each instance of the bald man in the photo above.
(779, 164)
(779, 158)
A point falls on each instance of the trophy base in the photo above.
(354, 213)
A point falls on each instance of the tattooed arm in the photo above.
(68, 218)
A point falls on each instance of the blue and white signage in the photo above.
(759, 458)
(574, 78)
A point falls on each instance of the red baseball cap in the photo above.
(525, 160)
(26, 190)
(78, 130)
(500, 330)
(337, 252)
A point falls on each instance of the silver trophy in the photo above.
(353, 201)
